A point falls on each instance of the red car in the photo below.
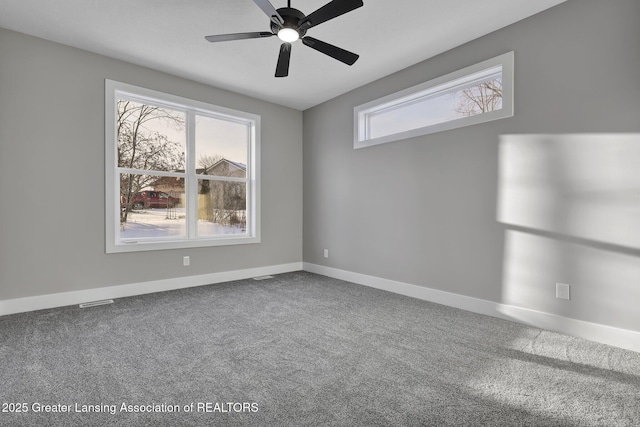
(153, 199)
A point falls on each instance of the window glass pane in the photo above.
(222, 207)
(221, 147)
(437, 107)
(151, 207)
(420, 114)
(150, 137)
(476, 94)
(479, 98)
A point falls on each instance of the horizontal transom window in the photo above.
(476, 94)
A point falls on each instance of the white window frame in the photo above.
(435, 87)
(114, 90)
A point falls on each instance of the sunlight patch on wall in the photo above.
(587, 186)
(571, 208)
(604, 283)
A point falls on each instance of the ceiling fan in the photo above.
(290, 24)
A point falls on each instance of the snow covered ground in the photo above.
(150, 223)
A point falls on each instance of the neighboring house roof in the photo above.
(237, 165)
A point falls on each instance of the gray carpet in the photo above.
(304, 349)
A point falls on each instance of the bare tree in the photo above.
(140, 146)
(209, 160)
(480, 98)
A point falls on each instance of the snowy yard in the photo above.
(150, 223)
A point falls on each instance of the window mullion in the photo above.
(149, 172)
(191, 190)
(223, 178)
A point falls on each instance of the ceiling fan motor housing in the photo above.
(292, 18)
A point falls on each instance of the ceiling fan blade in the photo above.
(335, 52)
(282, 69)
(270, 11)
(329, 11)
(238, 36)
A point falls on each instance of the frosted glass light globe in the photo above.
(288, 35)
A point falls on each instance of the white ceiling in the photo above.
(168, 35)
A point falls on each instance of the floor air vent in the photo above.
(263, 277)
(96, 303)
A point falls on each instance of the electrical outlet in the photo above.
(186, 261)
(563, 291)
(326, 253)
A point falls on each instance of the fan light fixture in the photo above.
(288, 35)
(290, 24)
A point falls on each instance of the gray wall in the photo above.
(425, 211)
(52, 206)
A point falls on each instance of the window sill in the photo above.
(139, 246)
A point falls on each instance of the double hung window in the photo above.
(179, 172)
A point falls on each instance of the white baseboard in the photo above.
(623, 338)
(610, 335)
(21, 305)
